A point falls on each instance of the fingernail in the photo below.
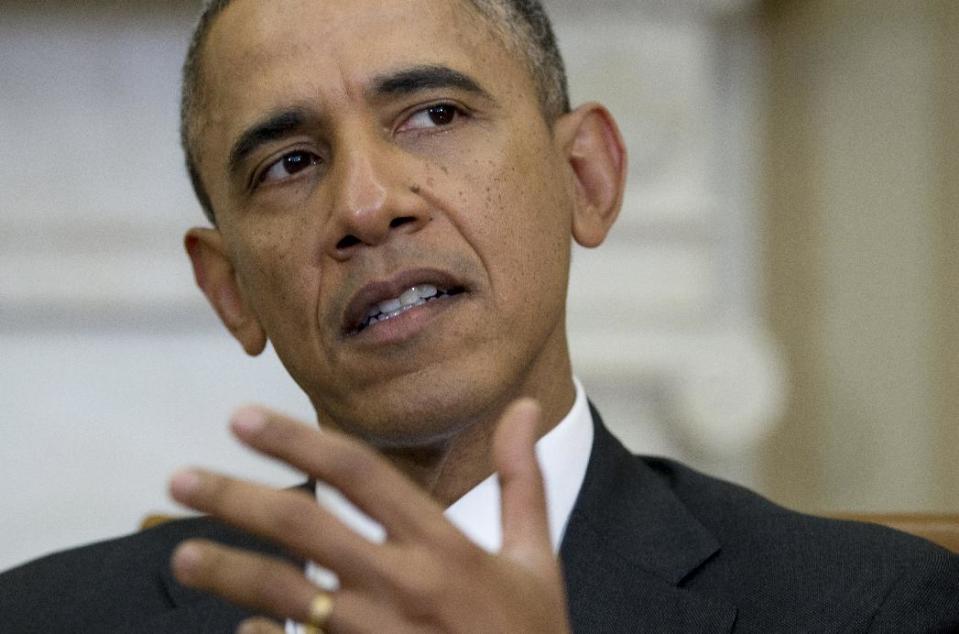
(248, 421)
(185, 483)
(186, 558)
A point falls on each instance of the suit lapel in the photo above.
(195, 611)
(629, 544)
(207, 614)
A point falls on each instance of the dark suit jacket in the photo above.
(651, 546)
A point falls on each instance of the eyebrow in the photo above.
(285, 122)
(427, 77)
(273, 126)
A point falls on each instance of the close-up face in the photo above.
(356, 150)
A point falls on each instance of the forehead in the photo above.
(262, 56)
(343, 40)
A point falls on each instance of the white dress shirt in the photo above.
(563, 454)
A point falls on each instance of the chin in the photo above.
(414, 411)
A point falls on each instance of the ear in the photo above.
(595, 152)
(216, 277)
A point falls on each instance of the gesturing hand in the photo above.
(426, 577)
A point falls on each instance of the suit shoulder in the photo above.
(869, 575)
(112, 556)
(734, 513)
(100, 583)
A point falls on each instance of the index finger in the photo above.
(361, 474)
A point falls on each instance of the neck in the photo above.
(448, 467)
(448, 470)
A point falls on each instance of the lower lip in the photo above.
(408, 324)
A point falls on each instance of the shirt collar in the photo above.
(563, 455)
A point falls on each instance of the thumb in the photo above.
(522, 497)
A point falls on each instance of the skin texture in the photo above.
(484, 192)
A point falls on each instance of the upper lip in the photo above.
(378, 291)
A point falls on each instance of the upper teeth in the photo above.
(387, 309)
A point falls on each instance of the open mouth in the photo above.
(410, 299)
(382, 301)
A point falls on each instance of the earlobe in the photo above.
(596, 156)
(216, 277)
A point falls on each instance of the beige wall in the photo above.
(860, 241)
(948, 249)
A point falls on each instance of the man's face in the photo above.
(356, 149)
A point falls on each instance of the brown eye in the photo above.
(289, 165)
(296, 162)
(442, 114)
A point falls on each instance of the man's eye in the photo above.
(437, 116)
(288, 166)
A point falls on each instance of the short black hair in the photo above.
(522, 24)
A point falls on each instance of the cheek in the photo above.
(519, 223)
(275, 276)
(529, 203)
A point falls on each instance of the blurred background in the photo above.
(776, 306)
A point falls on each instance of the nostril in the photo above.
(351, 240)
(399, 222)
(347, 242)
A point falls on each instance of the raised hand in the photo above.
(426, 577)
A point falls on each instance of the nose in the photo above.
(374, 198)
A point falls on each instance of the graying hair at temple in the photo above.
(523, 25)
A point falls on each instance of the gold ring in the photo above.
(321, 607)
